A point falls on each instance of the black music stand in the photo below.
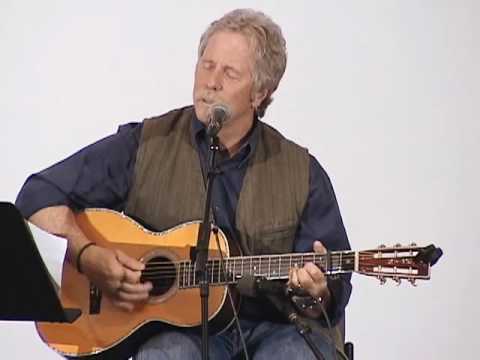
(28, 291)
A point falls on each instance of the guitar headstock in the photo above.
(398, 262)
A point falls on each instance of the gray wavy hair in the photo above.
(269, 47)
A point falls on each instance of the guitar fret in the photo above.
(279, 266)
(194, 272)
(231, 277)
(182, 274)
(269, 266)
(212, 268)
(227, 273)
(220, 271)
(191, 275)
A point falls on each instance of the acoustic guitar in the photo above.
(104, 331)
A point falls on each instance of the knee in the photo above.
(169, 345)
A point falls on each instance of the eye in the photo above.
(207, 65)
(232, 74)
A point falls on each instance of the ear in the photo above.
(258, 97)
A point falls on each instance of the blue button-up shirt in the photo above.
(100, 175)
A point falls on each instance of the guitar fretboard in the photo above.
(271, 267)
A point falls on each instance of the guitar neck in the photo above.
(271, 267)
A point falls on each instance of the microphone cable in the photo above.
(330, 329)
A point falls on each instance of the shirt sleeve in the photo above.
(98, 175)
(321, 220)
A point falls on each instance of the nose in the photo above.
(214, 81)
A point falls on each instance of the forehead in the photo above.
(229, 48)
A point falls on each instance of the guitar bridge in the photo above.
(95, 299)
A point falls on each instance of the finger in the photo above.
(314, 284)
(294, 278)
(136, 288)
(131, 297)
(290, 283)
(130, 276)
(319, 248)
(129, 262)
(304, 279)
(314, 271)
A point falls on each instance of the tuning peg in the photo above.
(412, 281)
(382, 280)
(382, 246)
(397, 280)
(413, 244)
(398, 245)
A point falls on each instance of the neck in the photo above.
(271, 267)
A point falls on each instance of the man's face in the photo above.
(224, 75)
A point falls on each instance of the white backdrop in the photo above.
(384, 93)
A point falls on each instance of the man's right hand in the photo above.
(117, 274)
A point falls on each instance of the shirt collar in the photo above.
(249, 142)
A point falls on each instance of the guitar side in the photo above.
(98, 334)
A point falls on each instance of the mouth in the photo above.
(207, 101)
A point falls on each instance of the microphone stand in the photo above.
(199, 255)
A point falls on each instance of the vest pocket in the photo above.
(275, 240)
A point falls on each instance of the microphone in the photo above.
(219, 113)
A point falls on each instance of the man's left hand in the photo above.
(310, 280)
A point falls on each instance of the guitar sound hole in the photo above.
(161, 272)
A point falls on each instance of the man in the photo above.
(270, 196)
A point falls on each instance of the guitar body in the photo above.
(104, 331)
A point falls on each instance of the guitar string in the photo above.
(237, 269)
(186, 270)
(213, 271)
(336, 260)
(189, 276)
(160, 267)
(167, 266)
(272, 264)
(304, 258)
